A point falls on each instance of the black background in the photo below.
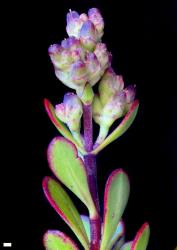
(141, 36)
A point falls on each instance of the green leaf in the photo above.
(69, 169)
(127, 246)
(121, 129)
(64, 206)
(60, 125)
(119, 244)
(142, 238)
(115, 200)
(120, 230)
(56, 240)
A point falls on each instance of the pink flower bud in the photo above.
(93, 68)
(83, 17)
(130, 92)
(60, 112)
(74, 24)
(70, 43)
(79, 73)
(88, 35)
(70, 111)
(109, 85)
(74, 47)
(60, 57)
(114, 109)
(106, 115)
(96, 18)
(103, 56)
(65, 77)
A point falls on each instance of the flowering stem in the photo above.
(90, 164)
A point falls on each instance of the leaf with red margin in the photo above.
(55, 240)
(60, 125)
(115, 200)
(69, 168)
(142, 238)
(121, 129)
(127, 246)
(64, 206)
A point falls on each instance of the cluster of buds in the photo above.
(112, 102)
(80, 61)
(81, 58)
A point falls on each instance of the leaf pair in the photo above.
(115, 200)
(57, 240)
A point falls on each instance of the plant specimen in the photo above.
(81, 61)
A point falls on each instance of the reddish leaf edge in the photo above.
(49, 198)
(47, 108)
(61, 235)
(108, 183)
(138, 235)
(72, 145)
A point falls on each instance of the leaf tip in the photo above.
(144, 227)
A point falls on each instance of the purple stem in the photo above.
(88, 127)
(90, 164)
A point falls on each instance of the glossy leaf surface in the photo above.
(55, 240)
(115, 200)
(64, 206)
(69, 168)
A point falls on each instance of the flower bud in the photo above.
(60, 112)
(96, 18)
(79, 73)
(113, 110)
(103, 56)
(83, 17)
(70, 112)
(130, 92)
(70, 43)
(74, 47)
(93, 68)
(74, 77)
(88, 35)
(74, 24)
(109, 85)
(65, 77)
(60, 58)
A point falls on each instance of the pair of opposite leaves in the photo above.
(71, 172)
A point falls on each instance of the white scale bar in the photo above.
(7, 244)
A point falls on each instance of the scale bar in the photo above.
(7, 244)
